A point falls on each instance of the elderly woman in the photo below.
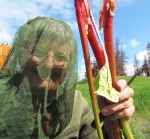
(38, 97)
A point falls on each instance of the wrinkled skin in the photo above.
(38, 83)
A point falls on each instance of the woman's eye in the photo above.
(60, 58)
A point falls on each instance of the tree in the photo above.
(120, 58)
(148, 54)
(147, 59)
(136, 64)
(145, 67)
(95, 68)
(123, 58)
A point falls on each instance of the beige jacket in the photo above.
(80, 124)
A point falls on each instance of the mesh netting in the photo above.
(40, 77)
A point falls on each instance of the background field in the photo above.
(140, 122)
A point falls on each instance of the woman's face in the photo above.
(48, 70)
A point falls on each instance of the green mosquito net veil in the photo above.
(38, 82)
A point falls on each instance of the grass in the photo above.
(140, 121)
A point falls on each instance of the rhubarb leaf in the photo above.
(103, 85)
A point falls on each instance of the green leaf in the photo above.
(103, 85)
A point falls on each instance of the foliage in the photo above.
(120, 57)
(95, 68)
(148, 54)
(136, 64)
(146, 62)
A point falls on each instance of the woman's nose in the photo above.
(59, 64)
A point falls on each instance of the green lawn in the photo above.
(140, 122)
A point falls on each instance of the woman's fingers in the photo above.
(126, 93)
(115, 107)
(128, 112)
(121, 84)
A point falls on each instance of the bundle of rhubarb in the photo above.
(106, 79)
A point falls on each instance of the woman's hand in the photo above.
(124, 108)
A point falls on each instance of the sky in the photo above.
(131, 23)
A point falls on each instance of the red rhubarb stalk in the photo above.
(99, 54)
(112, 127)
(82, 13)
(106, 21)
